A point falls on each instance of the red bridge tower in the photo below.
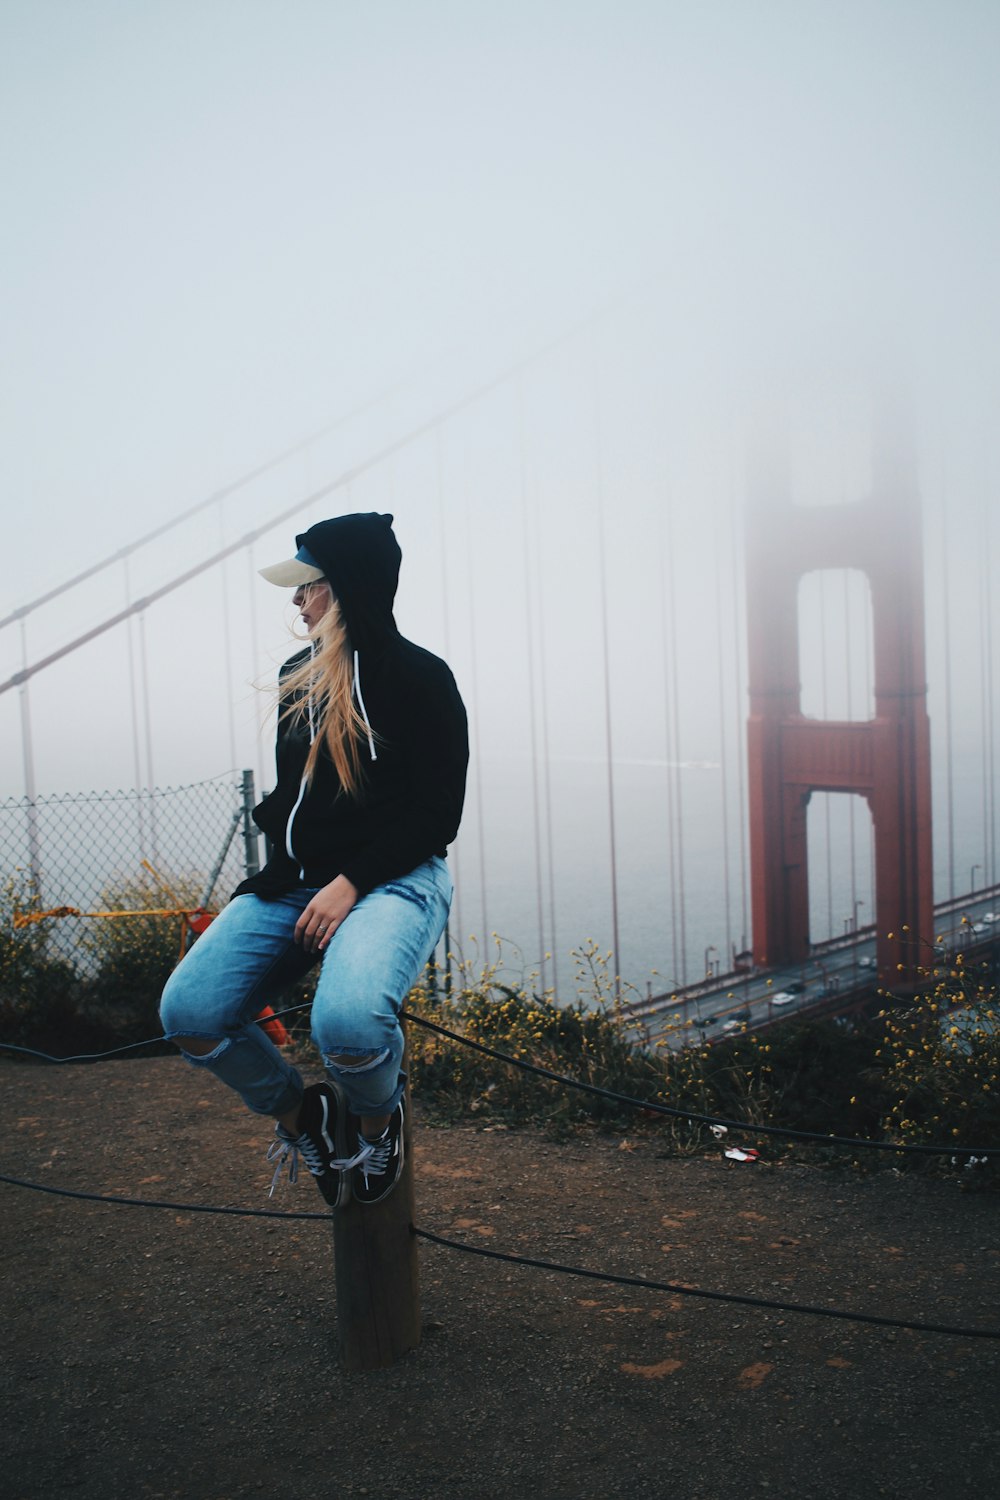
(886, 759)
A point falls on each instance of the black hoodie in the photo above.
(412, 792)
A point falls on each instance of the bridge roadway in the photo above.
(836, 976)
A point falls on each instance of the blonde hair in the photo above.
(320, 694)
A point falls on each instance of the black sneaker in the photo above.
(317, 1143)
(379, 1162)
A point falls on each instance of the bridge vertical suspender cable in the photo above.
(825, 701)
(148, 723)
(531, 610)
(446, 630)
(738, 615)
(251, 580)
(986, 657)
(473, 594)
(28, 762)
(675, 812)
(869, 700)
(547, 773)
(456, 920)
(140, 810)
(678, 768)
(949, 766)
(679, 777)
(989, 852)
(848, 665)
(533, 540)
(723, 754)
(668, 755)
(606, 656)
(227, 639)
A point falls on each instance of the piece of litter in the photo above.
(718, 1131)
(737, 1153)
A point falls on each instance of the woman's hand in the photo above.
(324, 914)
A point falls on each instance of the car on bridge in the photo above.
(783, 997)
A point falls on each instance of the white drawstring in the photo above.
(361, 704)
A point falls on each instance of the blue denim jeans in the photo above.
(248, 956)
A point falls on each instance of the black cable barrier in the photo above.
(673, 1288)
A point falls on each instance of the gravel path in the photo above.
(156, 1353)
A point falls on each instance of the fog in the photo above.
(535, 279)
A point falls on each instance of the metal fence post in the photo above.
(250, 834)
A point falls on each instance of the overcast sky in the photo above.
(229, 222)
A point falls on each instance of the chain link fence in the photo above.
(163, 849)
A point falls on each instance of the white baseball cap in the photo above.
(296, 571)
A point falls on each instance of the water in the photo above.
(670, 932)
(670, 929)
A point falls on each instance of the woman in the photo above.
(372, 750)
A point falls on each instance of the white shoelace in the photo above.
(373, 1157)
(282, 1151)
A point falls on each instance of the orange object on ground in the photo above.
(279, 1036)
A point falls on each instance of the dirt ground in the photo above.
(162, 1353)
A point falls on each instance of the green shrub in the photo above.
(588, 1042)
(39, 990)
(130, 958)
(817, 1075)
(941, 1056)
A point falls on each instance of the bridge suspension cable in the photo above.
(342, 481)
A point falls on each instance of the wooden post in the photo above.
(377, 1275)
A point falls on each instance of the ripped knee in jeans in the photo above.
(354, 1062)
(201, 1049)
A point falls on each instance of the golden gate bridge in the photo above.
(626, 602)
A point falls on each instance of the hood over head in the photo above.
(360, 557)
